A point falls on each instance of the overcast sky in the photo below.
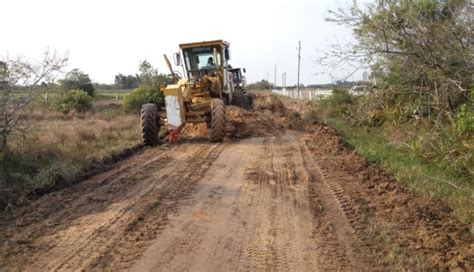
(104, 38)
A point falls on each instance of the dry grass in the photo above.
(59, 148)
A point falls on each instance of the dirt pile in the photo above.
(269, 102)
(193, 131)
(268, 116)
(397, 222)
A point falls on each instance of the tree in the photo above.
(149, 90)
(420, 53)
(21, 78)
(3, 72)
(77, 100)
(77, 80)
(127, 81)
(150, 76)
(259, 85)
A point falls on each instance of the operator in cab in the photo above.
(210, 64)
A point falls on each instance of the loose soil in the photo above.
(281, 198)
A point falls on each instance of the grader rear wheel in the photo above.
(216, 124)
(238, 98)
(150, 124)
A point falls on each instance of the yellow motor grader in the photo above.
(200, 96)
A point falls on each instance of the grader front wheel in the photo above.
(216, 124)
(150, 124)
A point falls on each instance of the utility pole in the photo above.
(299, 60)
(275, 78)
(283, 80)
(268, 82)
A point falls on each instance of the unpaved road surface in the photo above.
(198, 206)
(294, 201)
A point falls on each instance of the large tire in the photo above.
(250, 99)
(150, 124)
(246, 102)
(216, 124)
(237, 98)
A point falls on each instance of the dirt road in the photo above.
(292, 201)
(197, 206)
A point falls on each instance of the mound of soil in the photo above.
(421, 226)
(269, 102)
(268, 116)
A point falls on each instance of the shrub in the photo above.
(73, 100)
(340, 101)
(465, 117)
(465, 122)
(141, 95)
(77, 80)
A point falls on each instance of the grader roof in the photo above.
(203, 43)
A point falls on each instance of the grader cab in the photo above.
(198, 97)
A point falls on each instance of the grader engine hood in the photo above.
(175, 95)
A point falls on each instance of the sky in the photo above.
(104, 38)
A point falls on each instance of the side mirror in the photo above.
(227, 53)
(244, 70)
(177, 59)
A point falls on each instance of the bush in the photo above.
(141, 95)
(73, 100)
(340, 101)
(465, 122)
(336, 105)
(465, 117)
(77, 80)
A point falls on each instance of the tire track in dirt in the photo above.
(340, 246)
(251, 212)
(204, 233)
(149, 185)
(281, 236)
(177, 184)
(256, 205)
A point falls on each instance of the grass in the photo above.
(60, 148)
(427, 178)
